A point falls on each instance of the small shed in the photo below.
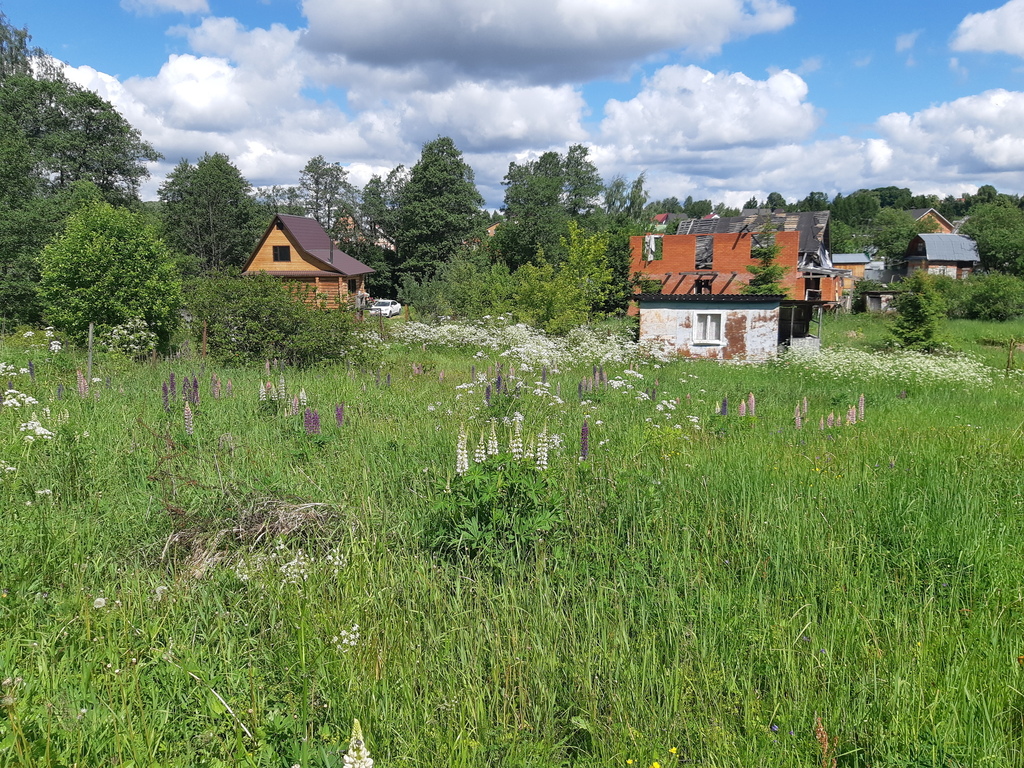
(711, 326)
(299, 251)
(943, 254)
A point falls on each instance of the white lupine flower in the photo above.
(492, 441)
(542, 450)
(480, 454)
(358, 756)
(516, 445)
(461, 454)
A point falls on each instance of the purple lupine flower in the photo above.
(311, 421)
(266, 367)
(743, 408)
(106, 382)
(440, 377)
(851, 416)
(821, 423)
(60, 390)
(498, 383)
(724, 411)
(751, 405)
(472, 373)
(388, 380)
(584, 441)
(579, 390)
(189, 425)
(860, 407)
(229, 388)
(831, 420)
(295, 406)
(167, 403)
(544, 375)
(487, 395)
(805, 406)
(797, 418)
(216, 387)
(186, 389)
(32, 371)
(903, 394)
(195, 391)
(173, 386)
(83, 385)
(339, 414)
(378, 378)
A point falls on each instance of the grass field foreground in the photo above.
(496, 549)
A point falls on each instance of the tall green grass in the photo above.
(190, 599)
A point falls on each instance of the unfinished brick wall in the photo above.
(677, 272)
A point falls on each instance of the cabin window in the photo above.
(282, 253)
(352, 287)
(707, 328)
(703, 285)
(705, 252)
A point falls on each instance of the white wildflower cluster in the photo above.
(7, 370)
(336, 561)
(34, 429)
(347, 638)
(901, 367)
(6, 468)
(528, 346)
(279, 565)
(15, 399)
(132, 338)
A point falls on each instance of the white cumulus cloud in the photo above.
(1000, 30)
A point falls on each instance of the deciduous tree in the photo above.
(439, 209)
(108, 267)
(209, 212)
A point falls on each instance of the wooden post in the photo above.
(204, 339)
(89, 367)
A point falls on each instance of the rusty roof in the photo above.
(716, 298)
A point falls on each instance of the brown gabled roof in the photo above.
(920, 213)
(313, 241)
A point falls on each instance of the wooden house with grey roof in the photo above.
(299, 251)
(943, 254)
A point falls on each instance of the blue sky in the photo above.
(711, 98)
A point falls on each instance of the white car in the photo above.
(385, 308)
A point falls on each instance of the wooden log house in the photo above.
(299, 251)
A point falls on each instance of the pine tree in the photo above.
(767, 274)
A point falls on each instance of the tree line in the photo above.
(557, 250)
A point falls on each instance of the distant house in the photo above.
(711, 255)
(299, 251)
(942, 224)
(855, 263)
(943, 254)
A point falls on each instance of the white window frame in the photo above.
(698, 331)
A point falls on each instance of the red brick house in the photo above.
(300, 252)
(711, 256)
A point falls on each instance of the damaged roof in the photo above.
(812, 225)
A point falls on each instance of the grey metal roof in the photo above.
(942, 247)
(850, 258)
(810, 224)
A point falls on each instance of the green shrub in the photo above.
(993, 296)
(500, 506)
(107, 268)
(258, 317)
(920, 311)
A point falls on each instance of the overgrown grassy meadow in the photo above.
(700, 589)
